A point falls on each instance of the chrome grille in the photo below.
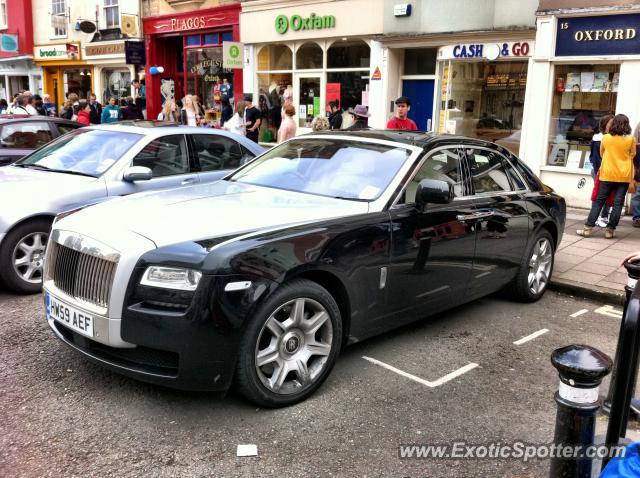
(82, 276)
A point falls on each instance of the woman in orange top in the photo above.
(617, 149)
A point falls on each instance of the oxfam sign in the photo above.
(297, 23)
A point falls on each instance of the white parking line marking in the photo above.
(436, 383)
(579, 313)
(247, 450)
(609, 311)
(531, 337)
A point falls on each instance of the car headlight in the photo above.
(171, 278)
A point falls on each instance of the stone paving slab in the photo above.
(591, 267)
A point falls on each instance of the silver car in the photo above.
(92, 164)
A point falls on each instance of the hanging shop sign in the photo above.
(9, 43)
(297, 22)
(598, 35)
(134, 53)
(486, 51)
(232, 54)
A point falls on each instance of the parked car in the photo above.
(95, 163)
(21, 135)
(324, 240)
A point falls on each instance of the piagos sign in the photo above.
(602, 35)
(297, 23)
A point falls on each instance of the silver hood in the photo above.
(203, 211)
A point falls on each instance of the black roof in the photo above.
(4, 118)
(414, 138)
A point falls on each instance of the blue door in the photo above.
(420, 93)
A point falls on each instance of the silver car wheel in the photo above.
(293, 346)
(540, 265)
(28, 257)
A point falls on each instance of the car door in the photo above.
(432, 249)
(216, 155)
(19, 139)
(168, 159)
(503, 224)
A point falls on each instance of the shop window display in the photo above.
(275, 57)
(484, 100)
(348, 54)
(78, 82)
(309, 56)
(582, 95)
(207, 79)
(117, 84)
(353, 87)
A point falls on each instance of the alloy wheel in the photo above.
(293, 346)
(28, 257)
(540, 265)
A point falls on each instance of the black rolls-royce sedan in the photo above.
(262, 277)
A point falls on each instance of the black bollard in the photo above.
(633, 269)
(581, 369)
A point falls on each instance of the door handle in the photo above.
(476, 216)
(188, 180)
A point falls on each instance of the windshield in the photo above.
(341, 168)
(86, 151)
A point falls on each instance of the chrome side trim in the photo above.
(236, 286)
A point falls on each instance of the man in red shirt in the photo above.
(400, 121)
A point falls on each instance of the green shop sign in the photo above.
(297, 23)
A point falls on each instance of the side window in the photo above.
(166, 156)
(65, 128)
(487, 171)
(29, 135)
(443, 165)
(516, 180)
(217, 152)
(246, 155)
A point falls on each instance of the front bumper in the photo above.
(195, 350)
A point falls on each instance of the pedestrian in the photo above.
(189, 115)
(320, 123)
(3, 106)
(13, 103)
(401, 120)
(199, 108)
(596, 160)
(288, 126)
(335, 115)
(617, 149)
(360, 117)
(96, 109)
(227, 111)
(20, 107)
(111, 112)
(38, 104)
(236, 123)
(635, 199)
(169, 113)
(132, 111)
(50, 108)
(252, 119)
(66, 110)
(84, 112)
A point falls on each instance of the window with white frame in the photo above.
(111, 13)
(58, 17)
(3, 14)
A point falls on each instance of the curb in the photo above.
(603, 294)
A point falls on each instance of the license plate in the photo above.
(73, 318)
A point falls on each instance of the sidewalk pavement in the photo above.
(591, 267)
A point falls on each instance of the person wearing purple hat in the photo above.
(360, 117)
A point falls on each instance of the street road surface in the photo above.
(458, 376)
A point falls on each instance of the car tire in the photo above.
(535, 270)
(32, 235)
(290, 346)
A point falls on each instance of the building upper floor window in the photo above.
(3, 14)
(58, 18)
(111, 13)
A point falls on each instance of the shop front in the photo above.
(64, 71)
(309, 55)
(482, 90)
(184, 56)
(112, 76)
(19, 74)
(584, 68)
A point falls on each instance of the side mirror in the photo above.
(433, 191)
(137, 173)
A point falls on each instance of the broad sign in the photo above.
(601, 35)
(489, 51)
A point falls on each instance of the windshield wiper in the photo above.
(64, 171)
